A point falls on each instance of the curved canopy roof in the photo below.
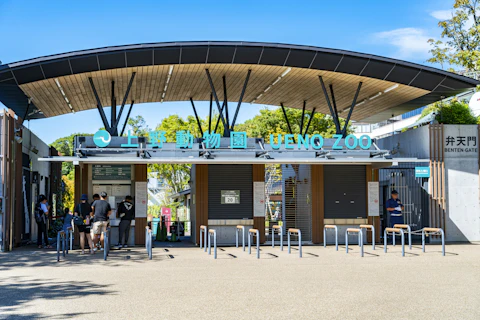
(175, 71)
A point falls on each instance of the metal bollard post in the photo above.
(258, 244)
(280, 233)
(250, 236)
(58, 247)
(214, 232)
(249, 244)
(150, 252)
(346, 241)
(393, 230)
(360, 240)
(71, 239)
(443, 242)
(325, 235)
(236, 238)
(299, 232)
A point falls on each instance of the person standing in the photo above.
(84, 211)
(41, 217)
(126, 212)
(101, 209)
(395, 207)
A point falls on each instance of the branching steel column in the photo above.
(216, 99)
(286, 119)
(344, 131)
(128, 116)
(210, 114)
(335, 119)
(335, 106)
(99, 106)
(225, 99)
(241, 99)
(29, 102)
(125, 99)
(309, 121)
(218, 119)
(113, 113)
(303, 115)
(196, 116)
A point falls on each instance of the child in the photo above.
(67, 220)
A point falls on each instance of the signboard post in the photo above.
(259, 199)
(141, 199)
(373, 199)
(230, 197)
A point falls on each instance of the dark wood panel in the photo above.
(140, 172)
(201, 198)
(258, 172)
(140, 224)
(19, 218)
(318, 210)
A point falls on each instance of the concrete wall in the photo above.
(412, 143)
(462, 185)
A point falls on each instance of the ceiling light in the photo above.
(274, 83)
(391, 88)
(375, 96)
(64, 96)
(169, 76)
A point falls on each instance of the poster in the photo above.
(230, 196)
(373, 199)
(259, 199)
(141, 199)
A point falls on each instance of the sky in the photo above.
(29, 29)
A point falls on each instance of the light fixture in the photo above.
(169, 76)
(375, 96)
(391, 88)
(274, 83)
(64, 96)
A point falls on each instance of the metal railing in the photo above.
(330, 226)
(280, 233)
(251, 233)
(393, 231)
(243, 236)
(149, 242)
(212, 232)
(299, 233)
(359, 232)
(370, 227)
(427, 231)
(409, 231)
(204, 230)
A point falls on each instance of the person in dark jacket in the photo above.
(126, 213)
(84, 211)
(42, 213)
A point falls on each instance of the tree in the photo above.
(453, 112)
(138, 126)
(65, 147)
(462, 37)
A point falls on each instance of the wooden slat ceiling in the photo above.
(190, 80)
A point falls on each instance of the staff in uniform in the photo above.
(395, 207)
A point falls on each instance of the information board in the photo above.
(141, 199)
(230, 196)
(373, 199)
(111, 172)
(259, 199)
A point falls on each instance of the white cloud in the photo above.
(410, 43)
(442, 14)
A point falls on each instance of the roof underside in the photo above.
(299, 65)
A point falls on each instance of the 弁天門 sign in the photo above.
(111, 172)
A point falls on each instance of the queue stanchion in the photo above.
(280, 233)
(393, 231)
(430, 231)
(330, 226)
(299, 233)
(212, 232)
(360, 239)
(372, 229)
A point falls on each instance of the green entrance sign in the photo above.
(230, 196)
(111, 172)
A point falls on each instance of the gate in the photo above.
(413, 192)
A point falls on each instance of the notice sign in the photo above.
(230, 196)
(461, 141)
(111, 172)
(259, 199)
(141, 199)
(422, 172)
(373, 199)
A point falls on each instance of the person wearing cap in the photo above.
(395, 207)
(101, 209)
(84, 211)
(126, 213)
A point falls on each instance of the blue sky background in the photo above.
(30, 29)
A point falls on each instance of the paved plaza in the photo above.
(186, 283)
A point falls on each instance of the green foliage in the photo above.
(138, 126)
(454, 112)
(462, 37)
(65, 147)
(68, 196)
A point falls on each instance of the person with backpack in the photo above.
(126, 213)
(41, 217)
(83, 210)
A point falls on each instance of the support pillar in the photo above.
(372, 175)
(140, 173)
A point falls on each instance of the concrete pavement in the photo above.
(186, 283)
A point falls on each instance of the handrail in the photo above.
(409, 230)
(251, 232)
(330, 226)
(426, 231)
(243, 236)
(360, 238)
(280, 233)
(393, 230)
(372, 228)
(299, 232)
(204, 230)
(214, 233)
